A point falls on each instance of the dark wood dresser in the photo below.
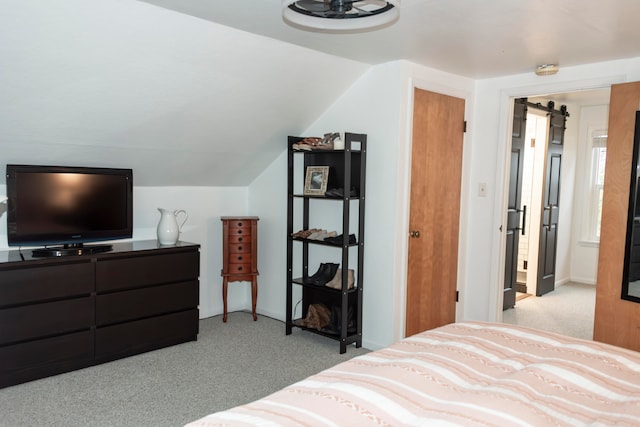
(240, 256)
(67, 313)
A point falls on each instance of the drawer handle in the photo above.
(240, 258)
(239, 224)
(240, 239)
(239, 268)
(239, 231)
(239, 248)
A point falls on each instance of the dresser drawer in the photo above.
(240, 223)
(139, 271)
(239, 248)
(143, 335)
(240, 231)
(239, 268)
(240, 238)
(27, 285)
(239, 258)
(41, 320)
(35, 359)
(118, 307)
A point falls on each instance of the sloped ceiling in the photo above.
(181, 100)
(471, 38)
(204, 92)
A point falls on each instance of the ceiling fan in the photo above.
(340, 14)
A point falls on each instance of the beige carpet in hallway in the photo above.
(568, 310)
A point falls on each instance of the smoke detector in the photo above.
(547, 69)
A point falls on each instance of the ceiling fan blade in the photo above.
(375, 3)
(362, 11)
(314, 5)
(340, 10)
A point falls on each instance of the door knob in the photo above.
(414, 233)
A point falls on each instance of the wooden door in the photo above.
(550, 206)
(436, 171)
(513, 206)
(617, 320)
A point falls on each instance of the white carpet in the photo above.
(568, 310)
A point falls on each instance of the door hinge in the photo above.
(457, 295)
(464, 127)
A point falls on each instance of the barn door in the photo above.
(551, 203)
(513, 204)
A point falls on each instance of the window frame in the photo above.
(596, 177)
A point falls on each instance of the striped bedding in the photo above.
(468, 374)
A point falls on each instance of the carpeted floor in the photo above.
(568, 310)
(229, 365)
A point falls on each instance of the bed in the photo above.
(470, 374)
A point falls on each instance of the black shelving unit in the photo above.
(347, 169)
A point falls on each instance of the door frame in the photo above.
(404, 199)
(535, 209)
(502, 173)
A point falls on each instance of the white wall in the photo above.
(567, 190)
(370, 106)
(489, 160)
(378, 104)
(204, 205)
(267, 197)
(584, 253)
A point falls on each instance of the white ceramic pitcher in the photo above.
(168, 228)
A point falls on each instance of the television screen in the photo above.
(50, 205)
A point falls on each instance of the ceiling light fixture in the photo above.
(547, 69)
(340, 15)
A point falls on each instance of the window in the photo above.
(596, 183)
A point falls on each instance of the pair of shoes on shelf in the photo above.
(315, 143)
(322, 234)
(337, 240)
(303, 234)
(318, 317)
(339, 192)
(326, 272)
(326, 143)
(305, 144)
(335, 324)
(336, 282)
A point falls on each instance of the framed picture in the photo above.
(315, 182)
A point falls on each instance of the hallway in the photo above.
(568, 310)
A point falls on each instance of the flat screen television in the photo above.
(68, 206)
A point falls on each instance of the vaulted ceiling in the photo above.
(204, 92)
(182, 101)
(472, 38)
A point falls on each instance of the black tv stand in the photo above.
(59, 314)
(71, 250)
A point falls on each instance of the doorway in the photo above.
(546, 136)
(577, 252)
(530, 204)
(434, 215)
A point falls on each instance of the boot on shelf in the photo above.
(318, 317)
(325, 273)
(335, 324)
(336, 282)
